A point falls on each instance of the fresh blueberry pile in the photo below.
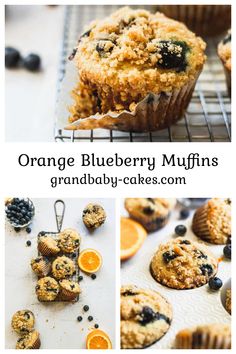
(13, 59)
(19, 212)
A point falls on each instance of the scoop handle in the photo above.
(59, 208)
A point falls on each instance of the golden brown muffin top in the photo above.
(133, 47)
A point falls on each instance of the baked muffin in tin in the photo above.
(145, 317)
(209, 336)
(183, 264)
(23, 321)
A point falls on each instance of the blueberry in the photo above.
(73, 255)
(169, 256)
(215, 283)
(147, 315)
(32, 63)
(93, 276)
(28, 243)
(16, 201)
(227, 38)
(180, 230)
(148, 210)
(86, 308)
(206, 269)
(184, 213)
(90, 318)
(96, 326)
(12, 57)
(173, 55)
(17, 229)
(79, 318)
(28, 230)
(227, 251)
(185, 242)
(22, 221)
(104, 46)
(81, 278)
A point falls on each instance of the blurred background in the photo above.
(30, 96)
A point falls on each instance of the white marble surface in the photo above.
(30, 97)
(190, 307)
(57, 322)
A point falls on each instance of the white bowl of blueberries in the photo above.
(19, 213)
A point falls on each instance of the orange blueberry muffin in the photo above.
(29, 341)
(69, 240)
(152, 213)
(205, 20)
(224, 52)
(130, 56)
(69, 289)
(183, 264)
(63, 267)
(47, 289)
(210, 336)
(47, 245)
(145, 317)
(23, 321)
(41, 266)
(212, 221)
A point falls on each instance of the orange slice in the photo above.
(89, 260)
(98, 339)
(132, 236)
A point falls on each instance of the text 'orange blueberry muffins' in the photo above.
(137, 72)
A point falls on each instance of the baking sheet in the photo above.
(190, 307)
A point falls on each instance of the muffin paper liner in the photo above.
(45, 250)
(205, 20)
(36, 344)
(199, 225)
(200, 340)
(67, 295)
(46, 267)
(154, 112)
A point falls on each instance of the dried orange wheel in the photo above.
(98, 339)
(132, 236)
(89, 260)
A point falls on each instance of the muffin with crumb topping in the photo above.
(138, 71)
(212, 221)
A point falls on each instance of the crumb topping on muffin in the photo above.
(183, 264)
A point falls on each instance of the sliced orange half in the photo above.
(98, 339)
(90, 260)
(132, 236)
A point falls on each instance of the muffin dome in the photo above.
(152, 213)
(23, 321)
(212, 221)
(129, 54)
(145, 317)
(63, 267)
(183, 264)
(69, 240)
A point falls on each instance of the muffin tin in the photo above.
(59, 214)
(190, 307)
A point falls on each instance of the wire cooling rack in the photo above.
(208, 117)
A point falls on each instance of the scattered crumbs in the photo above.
(46, 320)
